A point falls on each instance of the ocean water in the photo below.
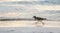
(46, 2)
(26, 9)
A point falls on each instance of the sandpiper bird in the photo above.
(39, 19)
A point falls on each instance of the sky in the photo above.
(28, 8)
(21, 0)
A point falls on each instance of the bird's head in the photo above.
(34, 16)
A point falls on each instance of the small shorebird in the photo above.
(39, 19)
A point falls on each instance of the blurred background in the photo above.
(26, 9)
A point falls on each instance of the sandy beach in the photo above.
(29, 27)
(29, 24)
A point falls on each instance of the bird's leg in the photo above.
(36, 22)
(42, 22)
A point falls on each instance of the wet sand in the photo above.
(29, 24)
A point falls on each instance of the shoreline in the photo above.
(28, 24)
